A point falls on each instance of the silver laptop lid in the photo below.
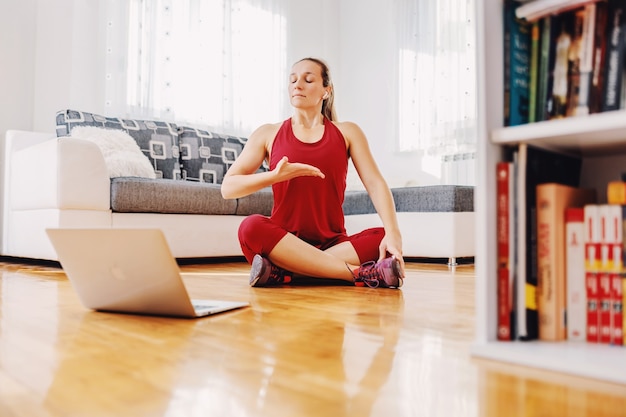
(123, 270)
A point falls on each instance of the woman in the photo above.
(308, 159)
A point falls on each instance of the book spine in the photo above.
(546, 297)
(580, 61)
(604, 276)
(561, 72)
(546, 60)
(517, 66)
(592, 261)
(616, 192)
(535, 31)
(616, 267)
(505, 265)
(614, 57)
(575, 273)
(599, 52)
(586, 60)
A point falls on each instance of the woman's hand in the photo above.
(392, 244)
(286, 170)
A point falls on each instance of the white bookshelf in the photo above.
(600, 139)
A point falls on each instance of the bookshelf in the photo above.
(600, 139)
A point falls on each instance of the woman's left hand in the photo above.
(392, 245)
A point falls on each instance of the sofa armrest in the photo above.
(59, 173)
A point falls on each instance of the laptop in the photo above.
(128, 271)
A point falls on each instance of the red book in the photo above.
(575, 271)
(604, 307)
(504, 176)
(592, 263)
(610, 265)
(617, 315)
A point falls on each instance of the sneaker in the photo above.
(263, 273)
(384, 274)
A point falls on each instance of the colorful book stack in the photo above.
(563, 58)
(561, 255)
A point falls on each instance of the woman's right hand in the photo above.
(286, 170)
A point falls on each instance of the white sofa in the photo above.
(62, 182)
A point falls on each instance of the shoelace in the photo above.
(369, 274)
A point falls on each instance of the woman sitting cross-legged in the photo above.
(308, 159)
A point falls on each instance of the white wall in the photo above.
(368, 70)
(17, 67)
(69, 65)
(57, 64)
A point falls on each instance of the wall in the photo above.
(368, 70)
(17, 46)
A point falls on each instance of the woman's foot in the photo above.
(263, 273)
(385, 273)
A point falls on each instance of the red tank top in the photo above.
(311, 207)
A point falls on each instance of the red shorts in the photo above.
(259, 235)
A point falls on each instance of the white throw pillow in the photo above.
(122, 155)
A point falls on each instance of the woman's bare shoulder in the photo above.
(350, 130)
(266, 132)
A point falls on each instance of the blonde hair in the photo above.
(328, 105)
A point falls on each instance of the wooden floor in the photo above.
(297, 351)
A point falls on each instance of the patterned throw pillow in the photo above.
(206, 156)
(157, 140)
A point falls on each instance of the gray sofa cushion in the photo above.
(141, 195)
(157, 140)
(432, 198)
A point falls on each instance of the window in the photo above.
(216, 63)
(437, 76)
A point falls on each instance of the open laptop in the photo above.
(128, 271)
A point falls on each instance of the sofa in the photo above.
(55, 180)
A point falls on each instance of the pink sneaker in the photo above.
(263, 273)
(384, 274)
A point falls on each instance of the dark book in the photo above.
(516, 66)
(535, 166)
(543, 78)
(615, 55)
(599, 53)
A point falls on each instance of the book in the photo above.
(516, 66)
(537, 9)
(506, 248)
(549, 24)
(533, 80)
(623, 275)
(560, 71)
(616, 192)
(592, 267)
(535, 166)
(604, 274)
(615, 54)
(552, 201)
(576, 304)
(599, 53)
(581, 60)
(614, 240)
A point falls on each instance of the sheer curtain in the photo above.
(437, 76)
(215, 63)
